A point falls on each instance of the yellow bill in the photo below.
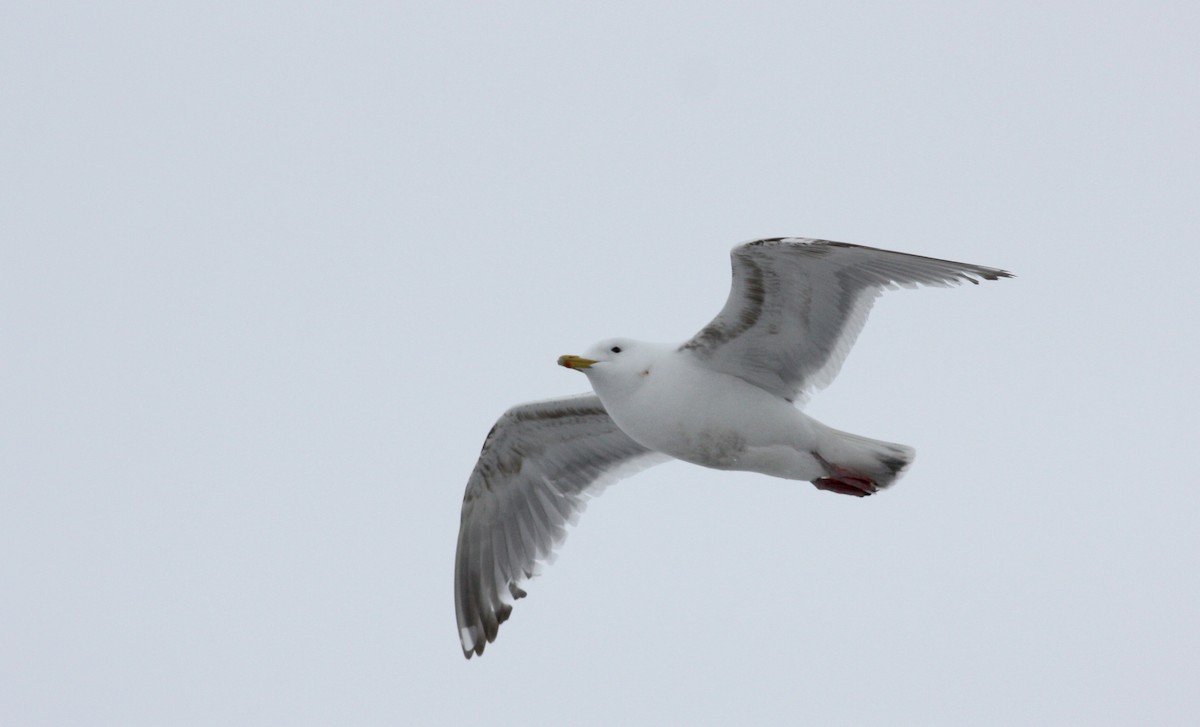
(575, 362)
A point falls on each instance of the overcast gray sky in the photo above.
(270, 271)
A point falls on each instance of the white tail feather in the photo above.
(879, 461)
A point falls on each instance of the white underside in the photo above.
(716, 420)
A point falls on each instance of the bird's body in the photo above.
(727, 399)
(666, 402)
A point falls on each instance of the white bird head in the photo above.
(615, 363)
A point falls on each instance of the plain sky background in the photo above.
(270, 271)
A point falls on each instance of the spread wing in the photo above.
(797, 305)
(538, 466)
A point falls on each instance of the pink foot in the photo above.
(844, 482)
(847, 485)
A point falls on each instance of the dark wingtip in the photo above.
(475, 649)
(893, 464)
(985, 274)
(995, 274)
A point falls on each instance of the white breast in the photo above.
(710, 418)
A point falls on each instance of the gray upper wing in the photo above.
(539, 464)
(797, 305)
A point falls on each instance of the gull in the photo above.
(728, 398)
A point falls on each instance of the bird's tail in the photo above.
(847, 454)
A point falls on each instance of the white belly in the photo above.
(718, 421)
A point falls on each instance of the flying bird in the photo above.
(728, 398)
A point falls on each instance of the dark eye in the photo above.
(615, 349)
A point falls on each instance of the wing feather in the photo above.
(797, 305)
(538, 466)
